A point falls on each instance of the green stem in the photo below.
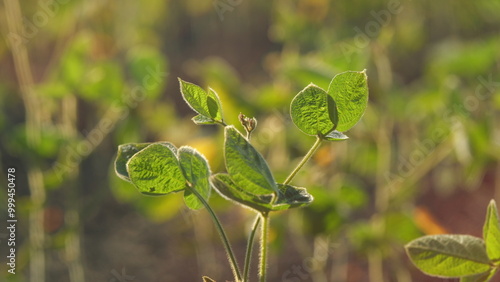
(248, 256)
(222, 234)
(263, 247)
(304, 160)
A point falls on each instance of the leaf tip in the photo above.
(180, 81)
(493, 203)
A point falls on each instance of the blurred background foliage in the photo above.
(78, 78)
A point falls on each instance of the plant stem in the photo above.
(263, 247)
(248, 256)
(222, 234)
(304, 160)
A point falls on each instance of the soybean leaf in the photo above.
(481, 277)
(214, 105)
(449, 255)
(491, 232)
(288, 196)
(197, 172)
(227, 188)
(313, 111)
(206, 104)
(336, 136)
(155, 170)
(246, 165)
(291, 197)
(126, 151)
(350, 92)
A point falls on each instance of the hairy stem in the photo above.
(263, 247)
(222, 234)
(248, 256)
(304, 160)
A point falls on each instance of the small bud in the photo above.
(242, 118)
(248, 123)
(252, 124)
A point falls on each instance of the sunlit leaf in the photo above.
(214, 105)
(491, 232)
(313, 111)
(126, 151)
(206, 104)
(449, 255)
(246, 165)
(155, 170)
(197, 172)
(350, 92)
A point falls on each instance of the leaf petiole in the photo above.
(304, 160)
(222, 234)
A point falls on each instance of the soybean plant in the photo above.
(161, 168)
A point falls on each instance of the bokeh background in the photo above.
(78, 78)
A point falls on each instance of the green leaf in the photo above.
(155, 170)
(288, 196)
(313, 111)
(197, 172)
(335, 136)
(246, 166)
(126, 151)
(481, 277)
(491, 232)
(206, 104)
(350, 92)
(214, 105)
(291, 197)
(449, 255)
